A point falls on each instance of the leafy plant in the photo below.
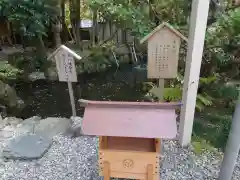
(203, 100)
(201, 145)
(28, 62)
(30, 17)
(8, 72)
(174, 93)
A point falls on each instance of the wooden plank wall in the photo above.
(107, 29)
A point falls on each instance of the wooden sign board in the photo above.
(66, 66)
(163, 51)
(66, 69)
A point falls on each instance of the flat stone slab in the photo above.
(26, 147)
(28, 125)
(53, 126)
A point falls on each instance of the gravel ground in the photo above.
(76, 159)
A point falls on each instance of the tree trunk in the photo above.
(94, 27)
(221, 7)
(72, 10)
(64, 26)
(57, 33)
(152, 14)
(42, 53)
(221, 2)
(22, 40)
(41, 47)
(57, 28)
(78, 22)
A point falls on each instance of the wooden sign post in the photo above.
(66, 69)
(161, 89)
(163, 53)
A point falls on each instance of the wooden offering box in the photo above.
(129, 136)
(134, 158)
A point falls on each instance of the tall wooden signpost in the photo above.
(66, 69)
(163, 53)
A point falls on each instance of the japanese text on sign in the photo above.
(66, 67)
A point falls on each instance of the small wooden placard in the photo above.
(163, 54)
(163, 51)
(66, 66)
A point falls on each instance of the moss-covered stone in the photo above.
(9, 98)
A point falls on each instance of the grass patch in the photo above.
(212, 128)
(201, 145)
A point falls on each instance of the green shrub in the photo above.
(9, 72)
(28, 62)
(213, 126)
(174, 92)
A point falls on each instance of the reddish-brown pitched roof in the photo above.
(130, 119)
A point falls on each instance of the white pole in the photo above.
(70, 89)
(233, 146)
(198, 24)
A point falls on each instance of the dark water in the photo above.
(46, 99)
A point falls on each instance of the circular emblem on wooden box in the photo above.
(128, 163)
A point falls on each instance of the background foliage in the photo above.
(30, 17)
(219, 77)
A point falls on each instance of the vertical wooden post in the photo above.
(198, 24)
(161, 89)
(106, 170)
(70, 89)
(157, 145)
(150, 172)
(105, 141)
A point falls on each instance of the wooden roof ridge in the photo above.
(163, 105)
(67, 49)
(164, 24)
